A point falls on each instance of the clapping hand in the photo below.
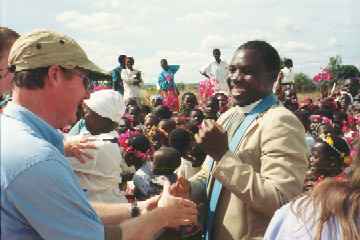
(213, 139)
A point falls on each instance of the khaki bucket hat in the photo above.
(44, 48)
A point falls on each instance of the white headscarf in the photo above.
(107, 103)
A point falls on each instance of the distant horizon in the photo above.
(309, 32)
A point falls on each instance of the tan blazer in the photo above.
(266, 170)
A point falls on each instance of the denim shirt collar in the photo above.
(36, 124)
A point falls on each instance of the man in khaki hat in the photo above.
(40, 194)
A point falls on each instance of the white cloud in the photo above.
(333, 42)
(214, 41)
(99, 22)
(296, 46)
(286, 25)
(201, 18)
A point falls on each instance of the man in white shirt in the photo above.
(132, 81)
(217, 70)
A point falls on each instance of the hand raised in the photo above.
(213, 139)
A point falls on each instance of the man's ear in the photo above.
(54, 76)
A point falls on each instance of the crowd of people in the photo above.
(243, 159)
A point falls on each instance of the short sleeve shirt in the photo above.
(40, 194)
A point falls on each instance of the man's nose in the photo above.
(236, 76)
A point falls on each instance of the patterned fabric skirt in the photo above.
(171, 99)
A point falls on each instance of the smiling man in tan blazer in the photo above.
(264, 169)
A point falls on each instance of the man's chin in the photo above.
(241, 100)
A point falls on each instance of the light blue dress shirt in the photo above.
(40, 194)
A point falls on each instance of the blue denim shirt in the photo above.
(40, 194)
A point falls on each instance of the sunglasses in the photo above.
(88, 83)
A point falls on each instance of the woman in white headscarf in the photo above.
(101, 176)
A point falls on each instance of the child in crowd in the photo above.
(211, 108)
(223, 102)
(191, 154)
(162, 112)
(188, 103)
(151, 120)
(133, 112)
(156, 100)
(328, 134)
(136, 148)
(166, 126)
(100, 177)
(315, 122)
(328, 159)
(197, 116)
(147, 180)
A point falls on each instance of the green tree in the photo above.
(303, 83)
(347, 71)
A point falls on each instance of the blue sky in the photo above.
(185, 32)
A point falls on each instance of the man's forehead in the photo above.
(245, 57)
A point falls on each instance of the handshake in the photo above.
(177, 208)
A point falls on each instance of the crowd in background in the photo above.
(135, 148)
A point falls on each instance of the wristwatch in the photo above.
(134, 210)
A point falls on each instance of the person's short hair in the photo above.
(121, 58)
(162, 112)
(7, 37)
(34, 78)
(166, 160)
(145, 109)
(216, 50)
(130, 59)
(180, 139)
(269, 54)
(31, 79)
(288, 63)
(167, 125)
(140, 143)
(191, 94)
(192, 126)
(153, 117)
(213, 102)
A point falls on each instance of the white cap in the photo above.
(108, 104)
